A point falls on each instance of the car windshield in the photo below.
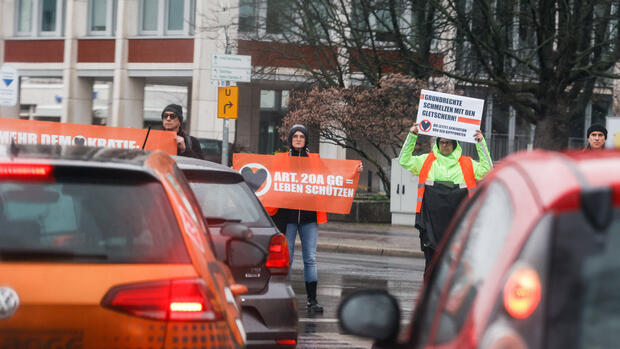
(228, 200)
(583, 309)
(98, 220)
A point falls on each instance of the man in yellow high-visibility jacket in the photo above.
(444, 179)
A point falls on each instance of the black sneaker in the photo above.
(314, 306)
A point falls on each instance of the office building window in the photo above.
(247, 16)
(166, 17)
(279, 16)
(38, 17)
(101, 17)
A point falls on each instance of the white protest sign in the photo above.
(449, 116)
(9, 81)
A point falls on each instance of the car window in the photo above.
(583, 309)
(224, 200)
(426, 310)
(94, 220)
(483, 244)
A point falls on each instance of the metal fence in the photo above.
(499, 145)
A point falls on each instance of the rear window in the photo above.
(227, 199)
(98, 220)
(583, 309)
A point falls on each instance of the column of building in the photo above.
(204, 122)
(127, 92)
(77, 101)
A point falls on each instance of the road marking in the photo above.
(329, 320)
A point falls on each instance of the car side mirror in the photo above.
(370, 314)
(236, 231)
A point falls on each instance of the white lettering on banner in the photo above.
(18, 137)
(285, 177)
(287, 187)
(329, 191)
(312, 178)
(54, 139)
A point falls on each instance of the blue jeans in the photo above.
(308, 234)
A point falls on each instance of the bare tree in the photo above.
(370, 121)
(545, 59)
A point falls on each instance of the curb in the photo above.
(379, 251)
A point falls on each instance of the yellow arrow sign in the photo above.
(227, 102)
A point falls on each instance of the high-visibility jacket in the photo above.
(465, 162)
(444, 168)
(321, 216)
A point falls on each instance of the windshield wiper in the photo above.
(220, 220)
(46, 254)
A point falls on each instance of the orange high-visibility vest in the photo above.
(467, 167)
(321, 216)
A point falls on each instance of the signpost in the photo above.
(9, 86)
(231, 68)
(227, 69)
(227, 102)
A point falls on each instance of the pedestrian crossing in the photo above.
(330, 340)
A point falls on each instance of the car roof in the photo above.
(560, 176)
(187, 163)
(117, 158)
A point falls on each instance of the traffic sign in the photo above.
(9, 86)
(227, 102)
(232, 61)
(231, 74)
(231, 68)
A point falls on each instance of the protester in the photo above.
(172, 120)
(303, 222)
(597, 135)
(444, 179)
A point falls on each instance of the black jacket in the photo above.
(192, 147)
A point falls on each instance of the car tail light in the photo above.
(178, 300)
(279, 260)
(522, 293)
(25, 171)
(286, 341)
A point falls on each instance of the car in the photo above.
(212, 150)
(530, 261)
(269, 308)
(106, 248)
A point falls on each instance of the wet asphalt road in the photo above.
(343, 273)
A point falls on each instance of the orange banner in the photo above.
(47, 132)
(303, 183)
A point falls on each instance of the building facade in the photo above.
(119, 62)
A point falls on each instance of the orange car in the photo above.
(107, 248)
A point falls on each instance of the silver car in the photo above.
(258, 252)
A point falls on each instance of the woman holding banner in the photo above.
(306, 223)
(292, 221)
(444, 178)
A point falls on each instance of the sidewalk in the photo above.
(377, 239)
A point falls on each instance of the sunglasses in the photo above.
(171, 116)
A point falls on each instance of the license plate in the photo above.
(44, 339)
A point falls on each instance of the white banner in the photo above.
(449, 116)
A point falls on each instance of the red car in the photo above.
(530, 261)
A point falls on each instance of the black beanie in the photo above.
(597, 127)
(292, 131)
(175, 108)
